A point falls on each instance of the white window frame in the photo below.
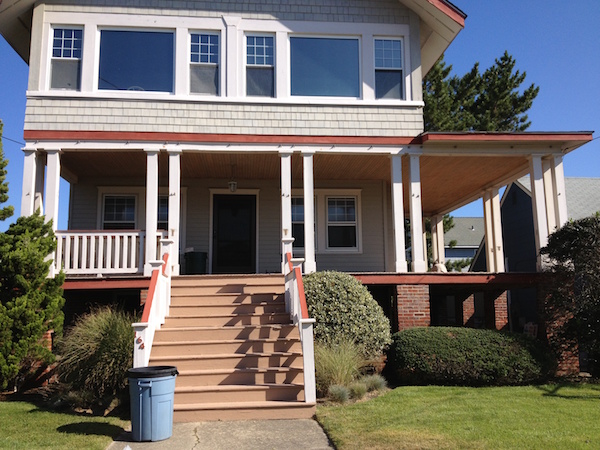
(245, 64)
(53, 58)
(105, 196)
(401, 69)
(219, 63)
(353, 224)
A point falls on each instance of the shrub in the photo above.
(337, 364)
(464, 356)
(345, 311)
(338, 393)
(96, 354)
(374, 382)
(358, 390)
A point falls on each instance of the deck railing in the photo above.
(296, 306)
(156, 308)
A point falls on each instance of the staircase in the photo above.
(239, 357)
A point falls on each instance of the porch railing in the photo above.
(156, 308)
(296, 306)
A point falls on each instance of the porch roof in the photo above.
(455, 168)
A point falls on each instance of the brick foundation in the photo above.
(413, 306)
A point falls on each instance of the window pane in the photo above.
(325, 67)
(66, 74)
(388, 54)
(341, 236)
(119, 213)
(259, 81)
(298, 235)
(136, 60)
(66, 59)
(204, 79)
(298, 222)
(388, 84)
(341, 210)
(259, 51)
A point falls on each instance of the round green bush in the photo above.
(345, 311)
(468, 357)
(96, 354)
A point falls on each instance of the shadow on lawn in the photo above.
(92, 428)
(557, 390)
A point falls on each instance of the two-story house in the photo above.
(230, 127)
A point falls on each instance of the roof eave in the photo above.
(15, 24)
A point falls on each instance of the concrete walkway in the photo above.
(251, 434)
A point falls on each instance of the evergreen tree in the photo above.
(488, 101)
(6, 211)
(30, 302)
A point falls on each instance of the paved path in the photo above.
(251, 434)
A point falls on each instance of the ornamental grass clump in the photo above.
(96, 354)
(337, 364)
(345, 311)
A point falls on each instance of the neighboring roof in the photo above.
(583, 195)
(467, 232)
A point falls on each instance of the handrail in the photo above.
(156, 308)
(298, 309)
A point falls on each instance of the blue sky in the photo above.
(556, 42)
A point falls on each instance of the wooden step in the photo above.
(181, 348)
(226, 320)
(198, 299)
(238, 393)
(201, 412)
(230, 361)
(228, 280)
(226, 333)
(283, 375)
(228, 289)
(216, 309)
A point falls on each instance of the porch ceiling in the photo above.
(446, 181)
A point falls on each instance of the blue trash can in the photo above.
(152, 392)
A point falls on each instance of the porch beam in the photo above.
(539, 207)
(310, 263)
(419, 263)
(52, 186)
(400, 263)
(174, 206)
(286, 205)
(151, 209)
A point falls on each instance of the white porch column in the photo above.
(497, 230)
(419, 264)
(398, 212)
(489, 232)
(52, 186)
(40, 166)
(437, 239)
(28, 192)
(560, 196)
(286, 203)
(310, 262)
(539, 206)
(151, 209)
(549, 194)
(174, 206)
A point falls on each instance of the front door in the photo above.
(234, 234)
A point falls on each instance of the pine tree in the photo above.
(6, 211)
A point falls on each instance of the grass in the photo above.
(25, 425)
(437, 417)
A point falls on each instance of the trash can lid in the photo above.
(152, 372)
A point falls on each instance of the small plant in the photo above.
(337, 364)
(358, 390)
(374, 382)
(345, 311)
(96, 354)
(338, 393)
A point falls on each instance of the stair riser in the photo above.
(203, 280)
(301, 412)
(212, 348)
(221, 321)
(250, 378)
(232, 289)
(243, 362)
(226, 309)
(271, 393)
(236, 299)
(175, 335)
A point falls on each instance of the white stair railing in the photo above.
(296, 306)
(156, 308)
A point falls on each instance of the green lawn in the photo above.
(436, 417)
(25, 426)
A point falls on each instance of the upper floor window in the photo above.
(388, 69)
(119, 212)
(66, 59)
(325, 67)
(260, 66)
(204, 69)
(136, 60)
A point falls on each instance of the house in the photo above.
(246, 131)
(462, 241)
(519, 240)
